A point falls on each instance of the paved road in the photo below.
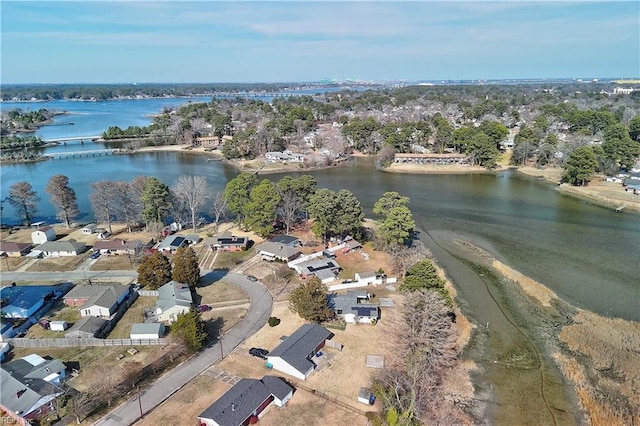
(76, 275)
(259, 312)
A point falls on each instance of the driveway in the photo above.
(259, 312)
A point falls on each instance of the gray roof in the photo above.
(172, 241)
(24, 368)
(277, 249)
(241, 401)
(348, 303)
(20, 394)
(193, 238)
(89, 325)
(287, 240)
(147, 328)
(173, 294)
(117, 244)
(103, 295)
(319, 267)
(53, 246)
(226, 239)
(367, 274)
(297, 348)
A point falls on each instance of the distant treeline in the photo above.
(112, 91)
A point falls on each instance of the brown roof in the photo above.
(12, 247)
(44, 228)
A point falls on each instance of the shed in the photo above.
(43, 234)
(87, 327)
(58, 325)
(152, 330)
(365, 396)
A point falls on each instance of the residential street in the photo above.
(259, 312)
(76, 275)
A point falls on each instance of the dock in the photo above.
(619, 209)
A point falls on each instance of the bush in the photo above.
(273, 321)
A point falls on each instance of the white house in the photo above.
(97, 300)
(354, 307)
(246, 401)
(284, 156)
(43, 234)
(174, 298)
(295, 354)
(90, 229)
(148, 330)
(61, 248)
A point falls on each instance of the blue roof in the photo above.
(25, 296)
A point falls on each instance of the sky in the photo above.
(207, 41)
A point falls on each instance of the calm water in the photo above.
(589, 255)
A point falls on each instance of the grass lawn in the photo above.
(229, 259)
(9, 264)
(115, 262)
(59, 312)
(50, 264)
(133, 315)
(220, 293)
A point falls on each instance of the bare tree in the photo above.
(425, 344)
(128, 202)
(103, 201)
(219, 208)
(63, 198)
(193, 192)
(289, 207)
(24, 200)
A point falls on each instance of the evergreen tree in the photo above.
(185, 266)
(422, 275)
(154, 271)
(262, 209)
(580, 166)
(156, 199)
(190, 328)
(309, 300)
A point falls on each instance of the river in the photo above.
(588, 255)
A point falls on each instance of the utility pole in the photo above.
(140, 403)
(221, 351)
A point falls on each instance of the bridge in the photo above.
(89, 153)
(74, 138)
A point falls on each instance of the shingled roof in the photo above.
(295, 349)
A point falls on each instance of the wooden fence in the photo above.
(84, 341)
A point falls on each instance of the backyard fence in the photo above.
(83, 341)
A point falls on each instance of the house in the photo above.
(22, 301)
(174, 298)
(351, 245)
(277, 251)
(244, 403)
(118, 246)
(171, 244)
(43, 234)
(284, 157)
(325, 269)
(13, 249)
(294, 355)
(87, 327)
(439, 159)
(97, 300)
(29, 387)
(354, 307)
(148, 330)
(90, 229)
(287, 240)
(61, 248)
(226, 242)
(368, 277)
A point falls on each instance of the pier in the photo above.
(90, 153)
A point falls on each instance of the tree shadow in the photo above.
(214, 329)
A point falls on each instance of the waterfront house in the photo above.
(294, 356)
(283, 157)
(436, 159)
(246, 401)
(43, 234)
(90, 229)
(354, 307)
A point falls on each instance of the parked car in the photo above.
(95, 255)
(204, 308)
(252, 278)
(259, 352)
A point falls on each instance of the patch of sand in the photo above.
(435, 169)
(530, 286)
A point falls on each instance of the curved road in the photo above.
(259, 312)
